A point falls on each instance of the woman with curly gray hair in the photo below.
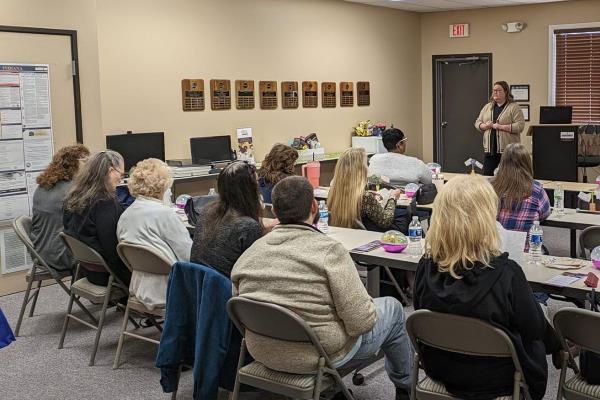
(149, 222)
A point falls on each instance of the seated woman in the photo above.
(148, 221)
(228, 226)
(92, 212)
(278, 164)
(398, 167)
(47, 208)
(463, 272)
(350, 204)
(523, 200)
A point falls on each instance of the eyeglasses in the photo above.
(497, 90)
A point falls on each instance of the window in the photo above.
(577, 72)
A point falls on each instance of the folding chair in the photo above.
(581, 328)
(279, 323)
(142, 259)
(462, 335)
(39, 272)
(94, 293)
(588, 239)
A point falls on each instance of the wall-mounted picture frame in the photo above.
(520, 92)
(525, 110)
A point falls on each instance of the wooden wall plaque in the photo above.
(268, 94)
(310, 95)
(220, 94)
(244, 95)
(289, 94)
(328, 95)
(364, 93)
(347, 94)
(192, 94)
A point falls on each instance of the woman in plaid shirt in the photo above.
(522, 199)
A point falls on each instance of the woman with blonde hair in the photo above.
(150, 221)
(350, 203)
(278, 164)
(464, 272)
(48, 202)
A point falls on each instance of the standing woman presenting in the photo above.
(501, 121)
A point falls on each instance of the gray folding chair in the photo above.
(142, 259)
(588, 239)
(279, 323)
(581, 328)
(94, 293)
(462, 335)
(39, 272)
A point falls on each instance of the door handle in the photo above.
(444, 124)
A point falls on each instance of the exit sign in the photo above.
(459, 30)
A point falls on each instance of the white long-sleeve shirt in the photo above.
(401, 169)
(148, 222)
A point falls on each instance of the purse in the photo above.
(426, 193)
(195, 204)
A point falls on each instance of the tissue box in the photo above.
(371, 144)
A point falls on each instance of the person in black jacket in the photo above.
(92, 211)
(463, 272)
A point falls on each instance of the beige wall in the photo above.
(517, 57)
(147, 46)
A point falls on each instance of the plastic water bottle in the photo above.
(323, 224)
(415, 233)
(559, 200)
(182, 200)
(212, 192)
(535, 243)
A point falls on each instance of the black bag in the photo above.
(589, 362)
(195, 204)
(426, 193)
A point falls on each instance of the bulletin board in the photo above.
(26, 149)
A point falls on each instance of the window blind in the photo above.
(577, 80)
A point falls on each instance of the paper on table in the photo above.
(562, 280)
(512, 242)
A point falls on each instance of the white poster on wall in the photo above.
(26, 149)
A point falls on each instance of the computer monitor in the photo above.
(135, 147)
(210, 149)
(556, 114)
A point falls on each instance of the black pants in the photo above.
(490, 163)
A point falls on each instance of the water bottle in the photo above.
(323, 224)
(182, 200)
(212, 192)
(415, 233)
(535, 243)
(559, 200)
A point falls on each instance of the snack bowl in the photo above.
(394, 241)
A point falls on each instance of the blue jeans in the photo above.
(389, 334)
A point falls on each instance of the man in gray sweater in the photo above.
(298, 267)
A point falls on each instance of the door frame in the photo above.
(436, 61)
(72, 34)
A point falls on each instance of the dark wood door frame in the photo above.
(436, 66)
(72, 34)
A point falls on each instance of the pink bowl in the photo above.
(596, 263)
(394, 248)
(410, 195)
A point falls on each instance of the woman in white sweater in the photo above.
(150, 222)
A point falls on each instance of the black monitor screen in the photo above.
(136, 147)
(210, 149)
(556, 114)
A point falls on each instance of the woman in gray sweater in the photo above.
(47, 208)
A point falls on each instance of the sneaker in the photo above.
(402, 394)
